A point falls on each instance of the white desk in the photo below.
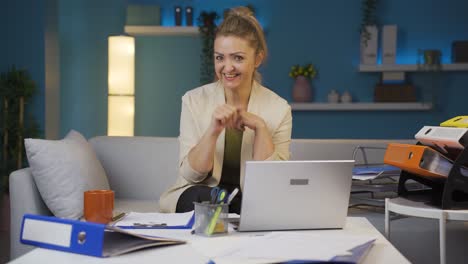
(381, 252)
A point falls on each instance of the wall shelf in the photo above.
(410, 67)
(361, 106)
(161, 31)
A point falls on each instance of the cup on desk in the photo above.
(211, 219)
(98, 206)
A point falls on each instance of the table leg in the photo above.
(442, 236)
(387, 220)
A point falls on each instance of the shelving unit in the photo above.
(161, 31)
(410, 67)
(361, 106)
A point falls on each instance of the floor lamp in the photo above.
(121, 86)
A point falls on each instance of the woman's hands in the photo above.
(228, 116)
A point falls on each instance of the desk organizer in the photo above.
(447, 193)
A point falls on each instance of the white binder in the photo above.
(443, 137)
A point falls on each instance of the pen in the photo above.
(232, 195)
(118, 216)
(212, 224)
(150, 224)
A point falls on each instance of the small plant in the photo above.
(369, 18)
(307, 71)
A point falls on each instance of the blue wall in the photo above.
(83, 30)
(22, 45)
(298, 31)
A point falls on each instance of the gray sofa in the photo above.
(139, 169)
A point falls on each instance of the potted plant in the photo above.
(369, 19)
(16, 90)
(207, 29)
(369, 32)
(302, 90)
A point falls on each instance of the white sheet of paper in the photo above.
(178, 219)
(366, 177)
(279, 246)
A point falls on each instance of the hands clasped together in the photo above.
(228, 116)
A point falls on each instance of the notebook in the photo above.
(293, 195)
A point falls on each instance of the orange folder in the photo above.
(420, 160)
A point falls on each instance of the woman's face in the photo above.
(235, 61)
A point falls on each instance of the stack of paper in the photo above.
(372, 172)
(134, 220)
(281, 246)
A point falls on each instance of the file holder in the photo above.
(374, 186)
(441, 192)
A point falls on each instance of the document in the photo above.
(281, 246)
(135, 220)
(372, 172)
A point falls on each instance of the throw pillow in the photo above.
(63, 170)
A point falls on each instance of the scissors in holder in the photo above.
(218, 195)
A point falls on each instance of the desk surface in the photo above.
(381, 252)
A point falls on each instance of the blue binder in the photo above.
(84, 238)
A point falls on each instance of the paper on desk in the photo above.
(373, 172)
(280, 246)
(176, 219)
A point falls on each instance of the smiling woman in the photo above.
(232, 120)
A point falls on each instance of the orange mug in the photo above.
(98, 206)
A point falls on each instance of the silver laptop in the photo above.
(286, 195)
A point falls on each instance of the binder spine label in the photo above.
(53, 233)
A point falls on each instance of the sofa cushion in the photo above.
(63, 170)
(135, 205)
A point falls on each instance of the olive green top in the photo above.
(230, 178)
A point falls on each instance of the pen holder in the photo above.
(211, 219)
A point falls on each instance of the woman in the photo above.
(227, 122)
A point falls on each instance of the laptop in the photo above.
(294, 195)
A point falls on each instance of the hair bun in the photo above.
(239, 11)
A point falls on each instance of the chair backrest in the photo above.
(138, 167)
(342, 149)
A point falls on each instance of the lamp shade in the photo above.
(121, 65)
(121, 115)
(121, 86)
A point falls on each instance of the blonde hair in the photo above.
(240, 22)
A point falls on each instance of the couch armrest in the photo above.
(24, 198)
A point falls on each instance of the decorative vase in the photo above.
(369, 45)
(333, 97)
(302, 90)
(346, 97)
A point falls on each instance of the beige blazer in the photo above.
(197, 108)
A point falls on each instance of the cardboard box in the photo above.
(460, 51)
(394, 93)
(143, 15)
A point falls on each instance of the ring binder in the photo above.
(449, 192)
(84, 238)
